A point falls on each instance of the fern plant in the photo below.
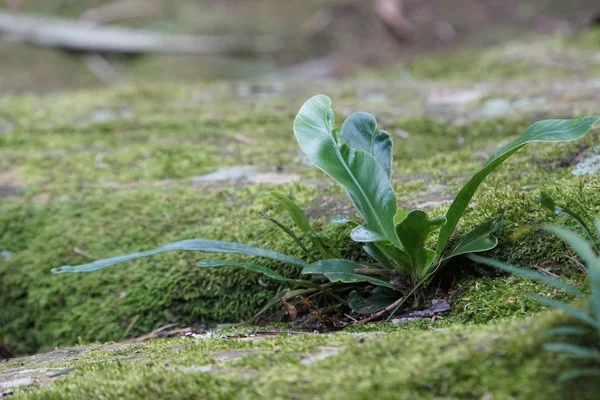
(359, 157)
(580, 337)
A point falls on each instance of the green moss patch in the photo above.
(502, 360)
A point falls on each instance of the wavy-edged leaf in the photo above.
(360, 174)
(202, 245)
(382, 150)
(542, 131)
(413, 232)
(557, 283)
(259, 269)
(339, 270)
(359, 131)
(371, 304)
(565, 308)
(477, 240)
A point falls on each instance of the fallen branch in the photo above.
(86, 36)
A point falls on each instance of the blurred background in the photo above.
(49, 45)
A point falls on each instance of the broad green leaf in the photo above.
(548, 202)
(360, 132)
(565, 308)
(259, 269)
(572, 350)
(202, 245)
(363, 235)
(374, 251)
(413, 232)
(557, 283)
(371, 304)
(339, 270)
(400, 216)
(399, 256)
(478, 239)
(542, 131)
(363, 178)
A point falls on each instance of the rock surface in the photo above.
(92, 174)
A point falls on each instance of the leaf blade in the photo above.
(541, 131)
(340, 270)
(360, 174)
(258, 269)
(201, 245)
(557, 283)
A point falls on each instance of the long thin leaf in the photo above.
(339, 270)
(548, 202)
(362, 176)
(566, 308)
(567, 331)
(299, 218)
(295, 212)
(288, 231)
(578, 373)
(579, 245)
(259, 269)
(557, 283)
(202, 245)
(572, 350)
(541, 131)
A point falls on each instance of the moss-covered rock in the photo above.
(425, 361)
(94, 174)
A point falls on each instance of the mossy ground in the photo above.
(95, 174)
(501, 360)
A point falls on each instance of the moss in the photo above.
(588, 39)
(501, 360)
(68, 308)
(477, 65)
(69, 148)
